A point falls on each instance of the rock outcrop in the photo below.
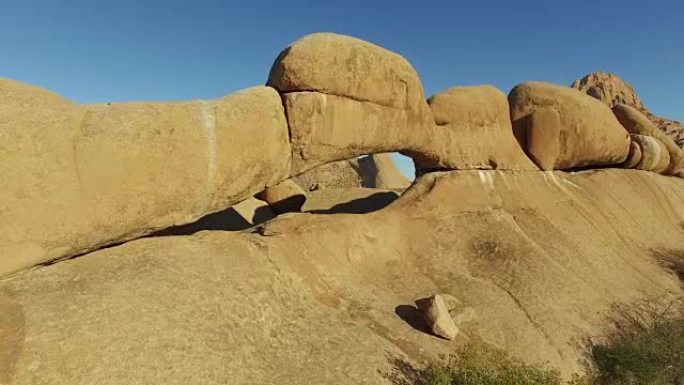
(254, 211)
(319, 299)
(612, 90)
(573, 130)
(79, 177)
(637, 123)
(479, 118)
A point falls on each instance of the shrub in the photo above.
(480, 366)
(644, 345)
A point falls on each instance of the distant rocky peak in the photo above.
(611, 89)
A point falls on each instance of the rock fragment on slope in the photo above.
(437, 316)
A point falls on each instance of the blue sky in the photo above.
(97, 51)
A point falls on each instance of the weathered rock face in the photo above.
(584, 132)
(379, 171)
(340, 174)
(634, 156)
(543, 254)
(637, 123)
(479, 119)
(609, 89)
(78, 177)
(654, 155)
(346, 97)
(612, 90)
(285, 197)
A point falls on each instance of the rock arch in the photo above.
(77, 177)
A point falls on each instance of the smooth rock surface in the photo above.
(79, 177)
(479, 119)
(588, 133)
(654, 155)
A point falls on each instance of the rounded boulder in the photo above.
(582, 133)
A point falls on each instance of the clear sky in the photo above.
(118, 50)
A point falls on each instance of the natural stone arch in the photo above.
(79, 177)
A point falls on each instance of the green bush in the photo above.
(644, 345)
(481, 366)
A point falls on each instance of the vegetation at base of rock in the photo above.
(643, 345)
(484, 366)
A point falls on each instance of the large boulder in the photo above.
(478, 117)
(79, 177)
(379, 171)
(345, 97)
(575, 130)
(345, 66)
(637, 123)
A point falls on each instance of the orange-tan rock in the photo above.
(612, 90)
(586, 133)
(546, 255)
(284, 197)
(637, 123)
(654, 155)
(437, 317)
(609, 89)
(634, 156)
(340, 174)
(79, 177)
(345, 97)
(480, 126)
